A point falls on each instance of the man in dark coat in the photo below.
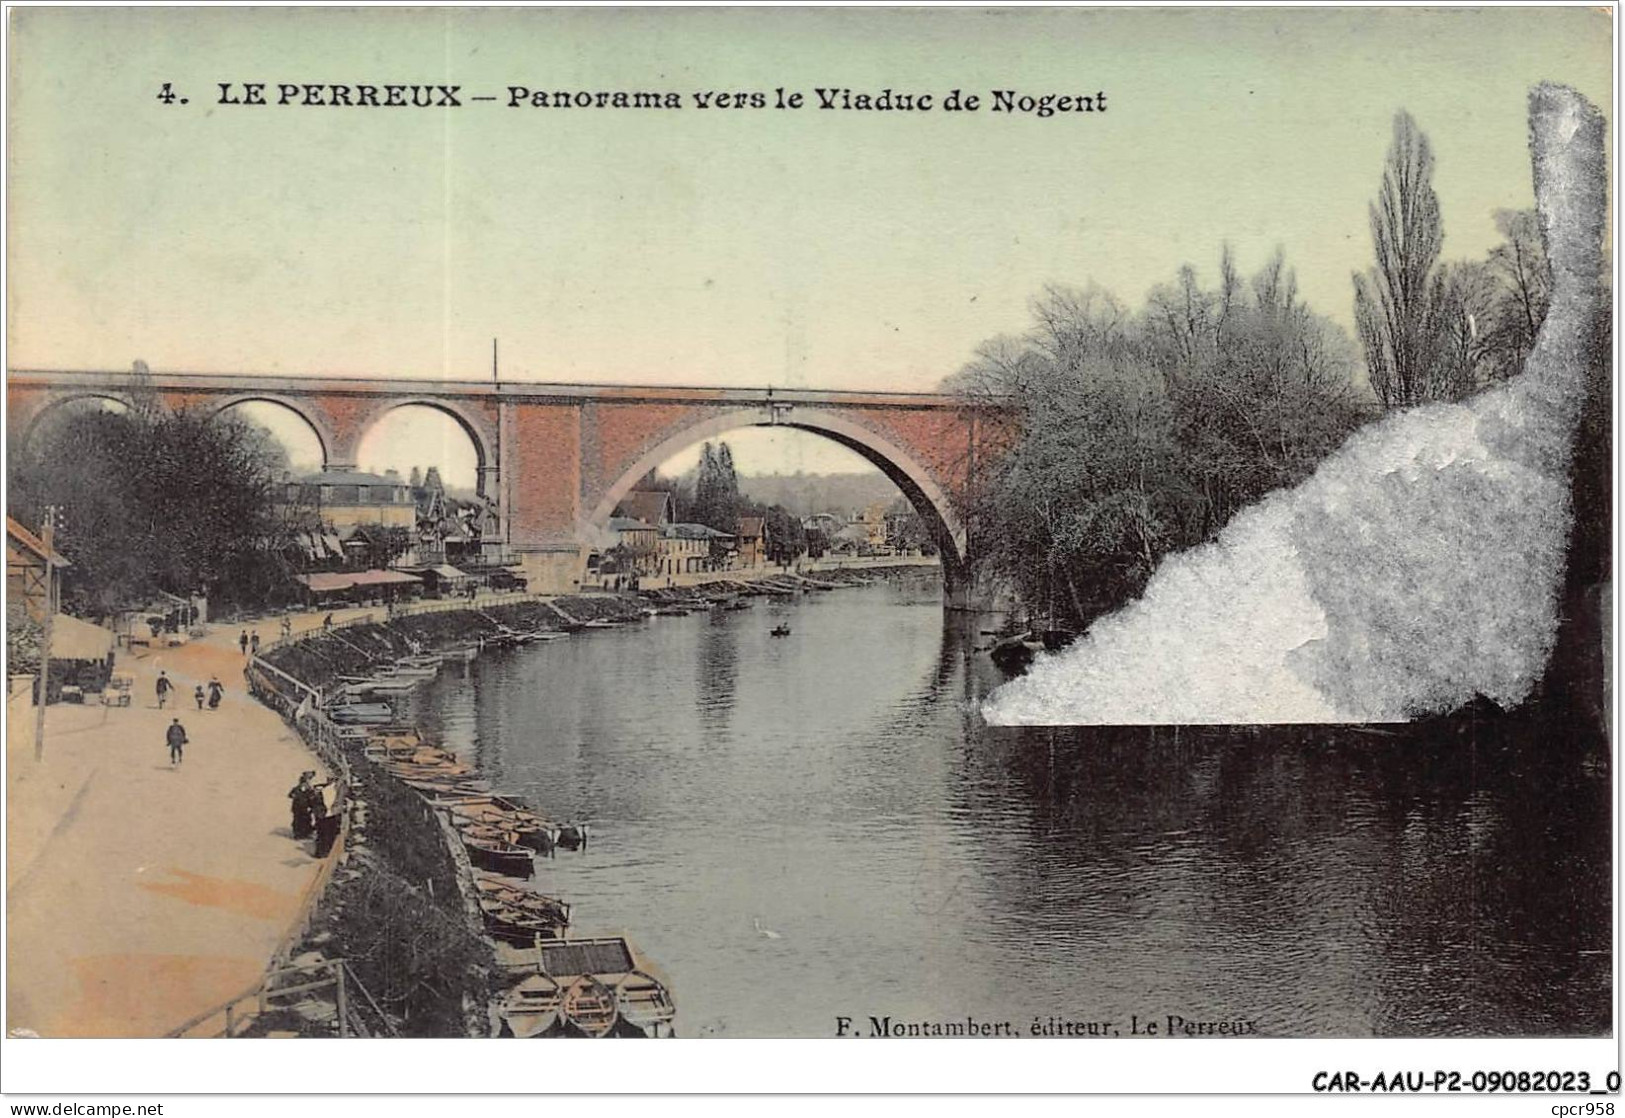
(163, 687)
(176, 737)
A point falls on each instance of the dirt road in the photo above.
(142, 893)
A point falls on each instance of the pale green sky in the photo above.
(823, 249)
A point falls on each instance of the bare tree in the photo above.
(1398, 304)
(1525, 276)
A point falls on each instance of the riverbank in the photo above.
(139, 893)
(439, 985)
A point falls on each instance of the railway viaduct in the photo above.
(557, 458)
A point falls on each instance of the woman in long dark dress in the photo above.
(301, 797)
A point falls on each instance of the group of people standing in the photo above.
(249, 642)
(311, 815)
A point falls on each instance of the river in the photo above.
(819, 826)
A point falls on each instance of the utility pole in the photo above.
(47, 532)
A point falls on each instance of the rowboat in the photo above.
(779, 631)
(527, 828)
(498, 854)
(382, 687)
(362, 713)
(531, 1007)
(611, 969)
(427, 770)
(410, 671)
(600, 623)
(447, 785)
(589, 1005)
(524, 926)
(644, 1004)
(500, 890)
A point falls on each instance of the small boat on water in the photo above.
(362, 713)
(491, 852)
(590, 1006)
(735, 607)
(447, 786)
(520, 926)
(644, 1004)
(502, 891)
(382, 687)
(780, 630)
(524, 829)
(601, 623)
(621, 993)
(532, 1006)
(408, 671)
(546, 635)
(572, 836)
(461, 654)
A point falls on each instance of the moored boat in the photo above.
(589, 1006)
(643, 1004)
(497, 854)
(532, 1006)
(521, 926)
(362, 713)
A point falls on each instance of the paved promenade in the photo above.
(140, 894)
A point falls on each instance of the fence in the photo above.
(323, 737)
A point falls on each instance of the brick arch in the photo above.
(54, 401)
(927, 493)
(480, 429)
(314, 419)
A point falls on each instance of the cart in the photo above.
(119, 687)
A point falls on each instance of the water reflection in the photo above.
(837, 786)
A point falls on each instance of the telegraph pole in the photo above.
(47, 532)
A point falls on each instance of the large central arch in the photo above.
(903, 469)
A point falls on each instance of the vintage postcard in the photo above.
(1082, 525)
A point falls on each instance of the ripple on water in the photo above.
(832, 787)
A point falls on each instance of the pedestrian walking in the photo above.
(254, 642)
(242, 641)
(163, 686)
(215, 691)
(327, 623)
(287, 627)
(198, 695)
(176, 736)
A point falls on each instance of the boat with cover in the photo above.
(532, 1006)
(779, 631)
